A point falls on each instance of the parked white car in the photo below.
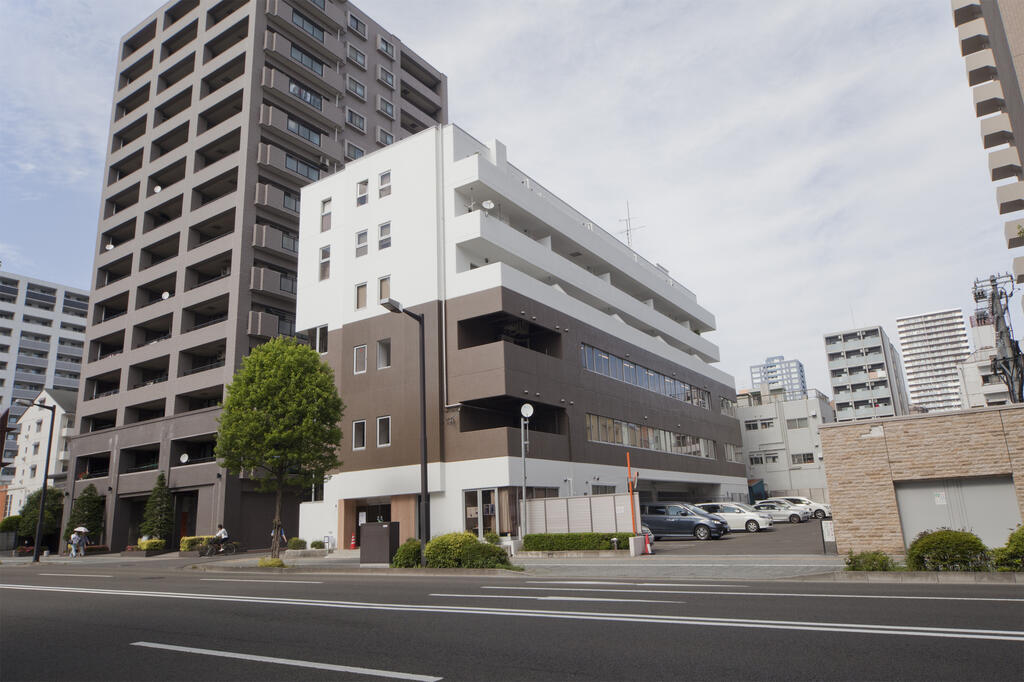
(818, 509)
(739, 516)
(783, 511)
(786, 500)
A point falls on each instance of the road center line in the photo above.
(752, 594)
(290, 661)
(608, 582)
(256, 580)
(557, 598)
(847, 628)
(77, 575)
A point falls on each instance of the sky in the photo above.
(803, 167)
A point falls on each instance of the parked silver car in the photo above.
(819, 510)
(739, 516)
(798, 505)
(783, 511)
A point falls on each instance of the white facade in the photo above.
(864, 368)
(461, 220)
(42, 332)
(33, 438)
(781, 444)
(778, 371)
(933, 344)
(978, 386)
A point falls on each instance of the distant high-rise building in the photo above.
(933, 344)
(864, 369)
(42, 329)
(222, 111)
(979, 386)
(778, 371)
(991, 34)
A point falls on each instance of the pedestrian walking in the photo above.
(73, 544)
(282, 538)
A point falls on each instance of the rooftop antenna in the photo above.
(630, 229)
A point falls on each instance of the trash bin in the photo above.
(379, 542)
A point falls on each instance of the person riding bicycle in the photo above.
(220, 538)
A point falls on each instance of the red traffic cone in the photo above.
(352, 545)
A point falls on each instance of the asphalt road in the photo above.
(144, 622)
(783, 538)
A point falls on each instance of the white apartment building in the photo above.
(933, 344)
(524, 300)
(42, 331)
(780, 440)
(864, 369)
(978, 386)
(778, 371)
(34, 438)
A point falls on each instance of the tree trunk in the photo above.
(275, 543)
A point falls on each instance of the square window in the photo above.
(386, 107)
(356, 24)
(386, 77)
(360, 296)
(356, 57)
(356, 88)
(384, 137)
(383, 353)
(355, 119)
(384, 236)
(361, 243)
(359, 359)
(384, 288)
(362, 192)
(385, 184)
(386, 46)
(383, 432)
(359, 434)
(352, 152)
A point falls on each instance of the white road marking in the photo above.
(78, 575)
(291, 661)
(856, 628)
(608, 582)
(753, 594)
(557, 598)
(254, 580)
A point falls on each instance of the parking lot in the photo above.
(784, 538)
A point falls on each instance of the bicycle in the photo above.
(210, 549)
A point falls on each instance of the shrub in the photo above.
(158, 518)
(155, 543)
(87, 510)
(492, 538)
(484, 555)
(296, 543)
(1010, 557)
(316, 544)
(408, 555)
(51, 513)
(445, 551)
(10, 524)
(556, 542)
(269, 562)
(190, 542)
(947, 550)
(869, 561)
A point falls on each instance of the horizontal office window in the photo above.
(291, 202)
(750, 425)
(307, 95)
(732, 453)
(798, 423)
(303, 131)
(301, 167)
(308, 25)
(617, 432)
(803, 458)
(308, 60)
(612, 366)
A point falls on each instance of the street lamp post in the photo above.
(524, 444)
(46, 475)
(394, 306)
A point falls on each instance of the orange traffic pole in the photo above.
(629, 484)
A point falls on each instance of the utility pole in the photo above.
(1008, 362)
(629, 227)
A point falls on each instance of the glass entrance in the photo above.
(481, 511)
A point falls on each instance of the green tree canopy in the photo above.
(51, 515)
(88, 511)
(280, 420)
(158, 519)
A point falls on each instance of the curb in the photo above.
(356, 570)
(920, 577)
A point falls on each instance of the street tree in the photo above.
(280, 421)
(51, 514)
(158, 519)
(86, 511)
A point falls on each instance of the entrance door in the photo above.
(185, 506)
(370, 513)
(481, 510)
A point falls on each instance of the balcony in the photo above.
(973, 36)
(274, 240)
(1010, 197)
(988, 98)
(965, 10)
(996, 130)
(280, 47)
(263, 324)
(981, 67)
(1004, 163)
(1018, 270)
(1014, 230)
(273, 283)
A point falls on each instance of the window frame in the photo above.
(361, 288)
(386, 107)
(381, 133)
(356, 25)
(383, 282)
(381, 237)
(301, 20)
(380, 343)
(384, 188)
(349, 146)
(350, 81)
(390, 50)
(356, 422)
(363, 192)
(349, 114)
(355, 359)
(349, 50)
(384, 419)
(325, 263)
(386, 82)
(364, 245)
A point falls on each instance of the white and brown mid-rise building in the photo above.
(525, 300)
(222, 111)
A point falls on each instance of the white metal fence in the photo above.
(582, 514)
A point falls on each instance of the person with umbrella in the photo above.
(78, 541)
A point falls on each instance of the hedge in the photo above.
(869, 561)
(316, 544)
(1010, 557)
(296, 543)
(947, 550)
(155, 543)
(408, 555)
(190, 542)
(558, 542)
(445, 551)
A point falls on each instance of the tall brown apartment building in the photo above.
(991, 34)
(222, 111)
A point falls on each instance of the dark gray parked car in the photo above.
(680, 520)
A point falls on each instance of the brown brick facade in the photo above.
(864, 459)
